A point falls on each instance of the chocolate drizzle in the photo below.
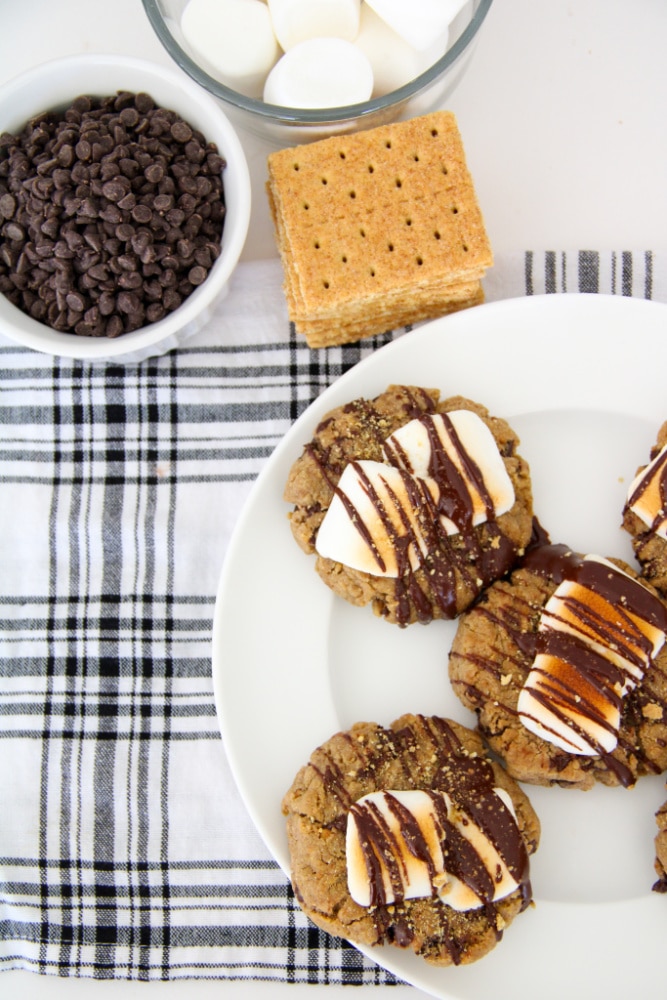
(559, 563)
(657, 473)
(381, 848)
(600, 679)
(475, 556)
(456, 502)
(660, 885)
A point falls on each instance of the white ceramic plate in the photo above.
(582, 380)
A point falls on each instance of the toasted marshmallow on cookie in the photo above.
(413, 843)
(443, 475)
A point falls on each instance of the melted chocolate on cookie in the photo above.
(476, 555)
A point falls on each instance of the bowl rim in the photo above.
(277, 114)
(21, 328)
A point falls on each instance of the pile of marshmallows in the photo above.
(317, 53)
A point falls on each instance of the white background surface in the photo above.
(562, 112)
(563, 119)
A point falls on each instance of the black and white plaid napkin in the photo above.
(125, 850)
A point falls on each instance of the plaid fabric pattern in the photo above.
(125, 850)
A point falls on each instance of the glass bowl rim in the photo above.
(277, 114)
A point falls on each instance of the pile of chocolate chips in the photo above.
(111, 214)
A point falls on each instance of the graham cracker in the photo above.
(391, 305)
(328, 333)
(375, 220)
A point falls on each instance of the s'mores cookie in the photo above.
(411, 503)
(409, 835)
(377, 229)
(645, 514)
(661, 849)
(565, 664)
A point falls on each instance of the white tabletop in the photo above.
(562, 116)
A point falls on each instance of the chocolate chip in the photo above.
(37, 310)
(163, 202)
(75, 301)
(181, 132)
(154, 173)
(130, 280)
(187, 203)
(168, 278)
(99, 272)
(81, 103)
(114, 326)
(194, 152)
(66, 156)
(142, 214)
(155, 312)
(129, 117)
(106, 303)
(143, 103)
(89, 208)
(114, 190)
(110, 214)
(175, 216)
(83, 149)
(204, 257)
(13, 231)
(125, 231)
(197, 274)
(62, 251)
(185, 249)
(129, 168)
(7, 206)
(171, 299)
(127, 302)
(127, 202)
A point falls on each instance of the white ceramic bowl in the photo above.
(53, 86)
(287, 126)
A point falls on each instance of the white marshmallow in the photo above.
(420, 22)
(414, 453)
(320, 73)
(233, 40)
(379, 506)
(339, 537)
(419, 877)
(564, 612)
(649, 505)
(394, 62)
(296, 21)
(560, 705)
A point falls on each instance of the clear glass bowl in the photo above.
(291, 125)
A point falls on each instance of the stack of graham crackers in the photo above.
(378, 229)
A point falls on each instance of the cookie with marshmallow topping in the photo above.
(645, 514)
(661, 849)
(411, 503)
(565, 664)
(409, 835)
